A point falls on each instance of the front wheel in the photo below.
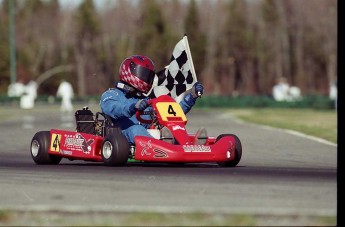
(238, 151)
(115, 149)
(39, 149)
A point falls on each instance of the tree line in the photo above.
(239, 47)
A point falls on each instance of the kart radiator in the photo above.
(85, 121)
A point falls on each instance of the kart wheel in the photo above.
(39, 149)
(238, 151)
(115, 149)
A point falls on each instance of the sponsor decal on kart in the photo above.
(159, 153)
(78, 143)
(177, 127)
(145, 147)
(66, 152)
(196, 148)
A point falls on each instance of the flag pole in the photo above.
(189, 55)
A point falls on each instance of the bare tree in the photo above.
(249, 43)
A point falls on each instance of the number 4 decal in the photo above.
(171, 110)
(55, 142)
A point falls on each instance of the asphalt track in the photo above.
(279, 174)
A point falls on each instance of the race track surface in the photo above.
(279, 174)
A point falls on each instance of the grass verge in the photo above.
(318, 123)
(60, 218)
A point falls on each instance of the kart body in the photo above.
(97, 139)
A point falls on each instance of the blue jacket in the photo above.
(115, 104)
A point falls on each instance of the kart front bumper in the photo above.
(154, 150)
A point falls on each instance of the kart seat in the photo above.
(85, 121)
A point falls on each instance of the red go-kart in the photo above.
(97, 139)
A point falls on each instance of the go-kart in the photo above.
(98, 139)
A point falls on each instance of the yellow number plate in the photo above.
(55, 142)
(171, 111)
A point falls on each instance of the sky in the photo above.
(100, 4)
(74, 3)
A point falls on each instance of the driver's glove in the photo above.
(141, 105)
(197, 90)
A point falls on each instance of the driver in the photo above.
(136, 76)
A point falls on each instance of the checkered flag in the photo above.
(179, 76)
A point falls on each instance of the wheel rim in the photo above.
(35, 146)
(107, 149)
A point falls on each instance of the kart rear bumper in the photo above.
(149, 149)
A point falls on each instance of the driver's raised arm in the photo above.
(189, 100)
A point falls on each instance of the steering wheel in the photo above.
(139, 114)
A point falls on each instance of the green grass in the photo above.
(93, 218)
(318, 123)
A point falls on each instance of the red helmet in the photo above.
(138, 71)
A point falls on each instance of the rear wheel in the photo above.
(115, 149)
(39, 149)
(238, 151)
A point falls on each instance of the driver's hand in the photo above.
(197, 89)
(141, 105)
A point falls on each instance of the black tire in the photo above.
(39, 149)
(238, 152)
(115, 149)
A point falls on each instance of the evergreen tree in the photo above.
(267, 45)
(154, 38)
(4, 48)
(86, 51)
(235, 51)
(88, 26)
(275, 40)
(196, 38)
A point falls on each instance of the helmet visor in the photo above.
(142, 73)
